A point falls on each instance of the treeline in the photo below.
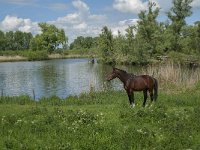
(149, 39)
(15, 40)
(141, 44)
(50, 39)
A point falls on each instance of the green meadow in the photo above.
(102, 120)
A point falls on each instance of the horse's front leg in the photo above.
(131, 98)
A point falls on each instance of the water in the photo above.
(61, 77)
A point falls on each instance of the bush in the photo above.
(36, 55)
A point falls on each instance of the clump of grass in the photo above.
(173, 77)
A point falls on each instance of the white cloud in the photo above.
(81, 6)
(196, 4)
(19, 2)
(130, 6)
(81, 26)
(81, 22)
(165, 5)
(58, 6)
(13, 23)
(123, 25)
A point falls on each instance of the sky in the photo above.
(80, 17)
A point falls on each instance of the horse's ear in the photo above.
(113, 66)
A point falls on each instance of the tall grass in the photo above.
(26, 54)
(174, 76)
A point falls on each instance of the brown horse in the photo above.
(136, 83)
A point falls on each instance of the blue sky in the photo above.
(79, 17)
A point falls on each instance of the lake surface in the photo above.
(60, 77)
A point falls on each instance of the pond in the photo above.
(60, 77)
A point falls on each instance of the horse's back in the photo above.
(142, 82)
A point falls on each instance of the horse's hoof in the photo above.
(133, 105)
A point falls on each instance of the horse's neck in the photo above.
(123, 77)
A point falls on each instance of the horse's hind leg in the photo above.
(151, 96)
(145, 97)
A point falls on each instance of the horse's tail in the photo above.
(155, 87)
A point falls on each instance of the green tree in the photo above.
(78, 43)
(26, 40)
(120, 47)
(197, 39)
(2, 40)
(177, 14)
(51, 38)
(81, 43)
(148, 31)
(36, 43)
(10, 41)
(18, 40)
(130, 39)
(106, 45)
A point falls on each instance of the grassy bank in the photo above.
(101, 120)
(28, 55)
(44, 55)
(23, 55)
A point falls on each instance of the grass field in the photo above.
(101, 120)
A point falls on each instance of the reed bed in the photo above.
(174, 76)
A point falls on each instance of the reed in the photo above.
(174, 76)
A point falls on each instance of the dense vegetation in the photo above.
(143, 43)
(149, 39)
(50, 39)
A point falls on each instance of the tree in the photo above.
(148, 31)
(106, 45)
(177, 14)
(197, 39)
(36, 43)
(10, 41)
(130, 39)
(51, 38)
(18, 40)
(26, 40)
(81, 43)
(2, 40)
(78, 43)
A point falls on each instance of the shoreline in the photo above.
(17, 58)
(12, 58)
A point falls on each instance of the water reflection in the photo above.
(64, 77)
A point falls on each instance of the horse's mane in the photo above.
(121, 70)
(131, 74)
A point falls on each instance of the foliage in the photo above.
(143, 42)
(50, 38)
(15, 40)
(106, 45)
(83, 43)
(179, 11)
(100, 121)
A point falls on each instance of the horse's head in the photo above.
(112, 75)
